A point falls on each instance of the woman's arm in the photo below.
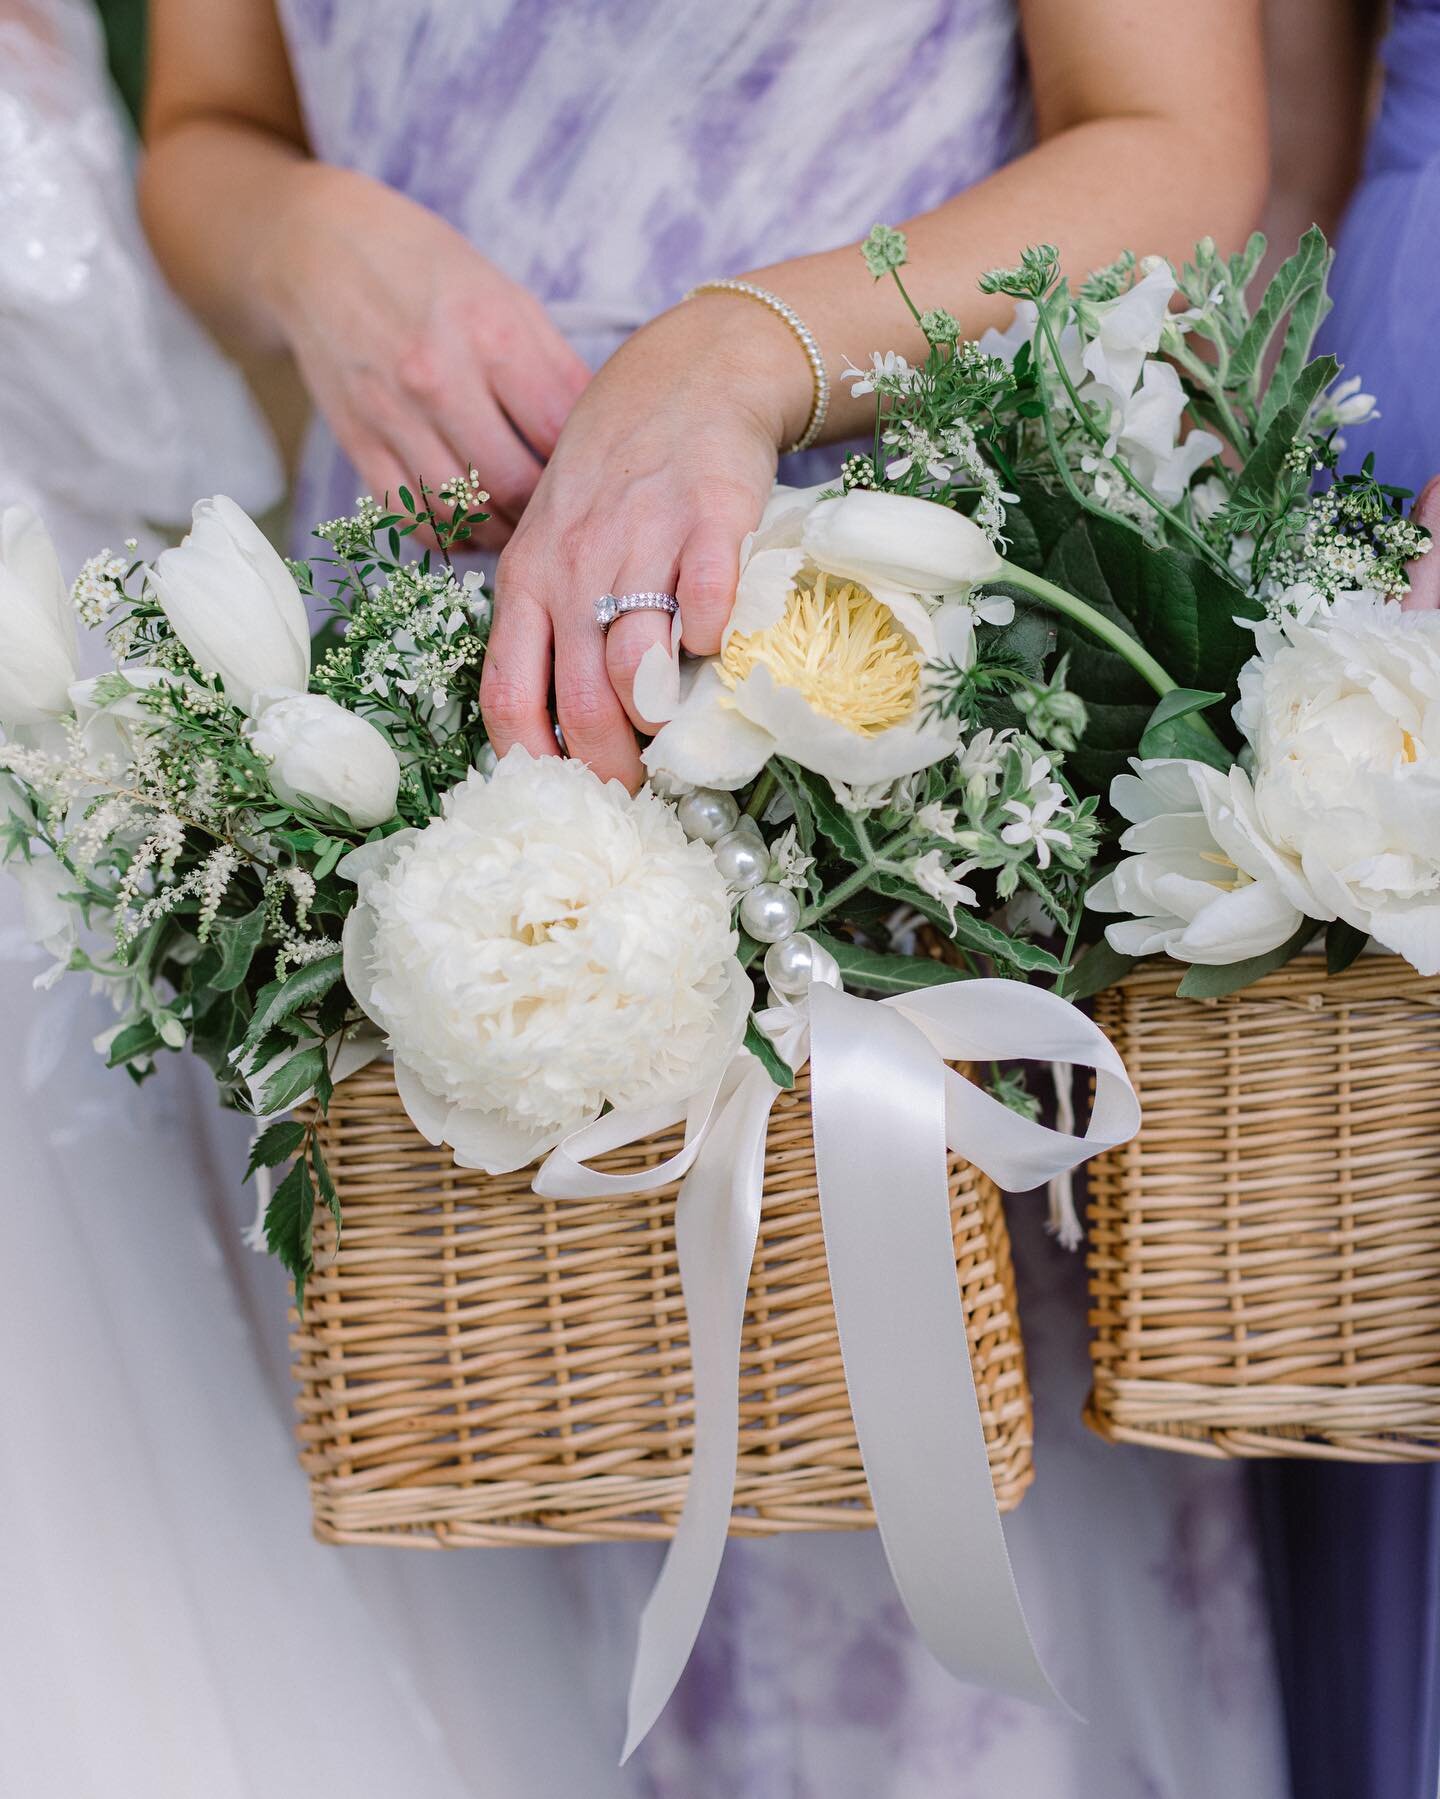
(1150, 119)
(372, 293)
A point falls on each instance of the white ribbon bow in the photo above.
(885, 1107)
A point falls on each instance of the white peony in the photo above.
(234, 604)
(318, 749)
(840, 605)
(1202, 881)
(1343, 712)
(37, 624)
(549, 946)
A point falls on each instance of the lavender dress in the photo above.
(1354, 1550)
(608, 154)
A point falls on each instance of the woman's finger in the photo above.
(632, 635)
(592, 719)
(485, 439)
(709, 569)
(1424, 594)
(515, 681)
(537, 382)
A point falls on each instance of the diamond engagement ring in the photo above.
(611, 606)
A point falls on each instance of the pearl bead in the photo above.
(769, 912)
(741, 860)
(788, 964)
(707, 814)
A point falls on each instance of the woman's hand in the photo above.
(1424, 594)
(665, 465)
(422, 356)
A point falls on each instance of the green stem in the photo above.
(1205, 377)
(914, 309)
(760, 793)
(876, 862)
(1113, 636)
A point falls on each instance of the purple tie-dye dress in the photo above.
(609, 154)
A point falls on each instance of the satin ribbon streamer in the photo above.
(885, 1108)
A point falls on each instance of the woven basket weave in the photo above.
(478, 1365)
(1265, 1255)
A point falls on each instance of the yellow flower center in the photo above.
(1409, 753)
(838, 647)
(1223, 861)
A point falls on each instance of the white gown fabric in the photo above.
(168, 1628)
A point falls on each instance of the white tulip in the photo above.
(841, 605)
(317, 749)
(234, 605)
(37, 624)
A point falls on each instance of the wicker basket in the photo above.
(1265, 1255)
(478, 1365)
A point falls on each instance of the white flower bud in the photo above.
(891, 540)
(317, 749)
(234, 605)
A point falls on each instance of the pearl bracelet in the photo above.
(803, 335)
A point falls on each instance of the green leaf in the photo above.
(1172, 730)
(789, 778)
(1306, 316)
(1204, 982)
(968, 931)
(236, 939)
(878, 972)
(1091, 973)
(833, 820)
(333, 851)
(289, 1224)
(218, 1026)
(279, 1000)
(325, 1185)
(138, 1038)
(1298, 276)
(765, 1052)
(1178, 605)
(1178, 703)
(293, 1079)
(1261, 473)
(277, 1143)
(1343, 943)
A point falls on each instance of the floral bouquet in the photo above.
(292, 854)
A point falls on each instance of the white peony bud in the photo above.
(316, 748)
(37, 626)
(234, 605)
(891, 540)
